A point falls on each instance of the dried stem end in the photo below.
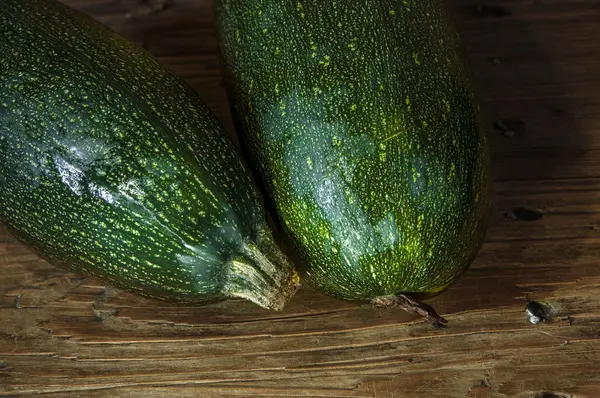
(412, 306)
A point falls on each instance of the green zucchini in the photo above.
(112, 167)
(362, 120)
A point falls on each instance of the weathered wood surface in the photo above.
(537, 61)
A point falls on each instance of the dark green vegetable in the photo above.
(112, 167)
(362, 120)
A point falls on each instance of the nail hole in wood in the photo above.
(538, 312)
(511, 128)
(551, 395)
(525, 214)
(485, 11)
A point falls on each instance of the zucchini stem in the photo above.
(411, 305)
(262, 274)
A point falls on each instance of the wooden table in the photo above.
(537, 63)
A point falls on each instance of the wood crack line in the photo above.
(302, 334)
(345, 346)
(95, 387)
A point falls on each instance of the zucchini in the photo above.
(362, 120)
(112, 167)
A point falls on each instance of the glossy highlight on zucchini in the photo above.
(362, 121)
(112, 167)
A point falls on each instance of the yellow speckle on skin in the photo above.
(392, 12)
(325, 61)
(373, 273)
(349, 195)
(416, 59)
(309, 162)
(277, 51)
(447, 104)
(353, 107)
(452, 172)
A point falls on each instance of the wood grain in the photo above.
(535, 61)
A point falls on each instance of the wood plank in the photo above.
(534, 61)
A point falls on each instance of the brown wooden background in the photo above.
(537, 63)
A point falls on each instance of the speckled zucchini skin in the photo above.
(362, 120)
(111, 166)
